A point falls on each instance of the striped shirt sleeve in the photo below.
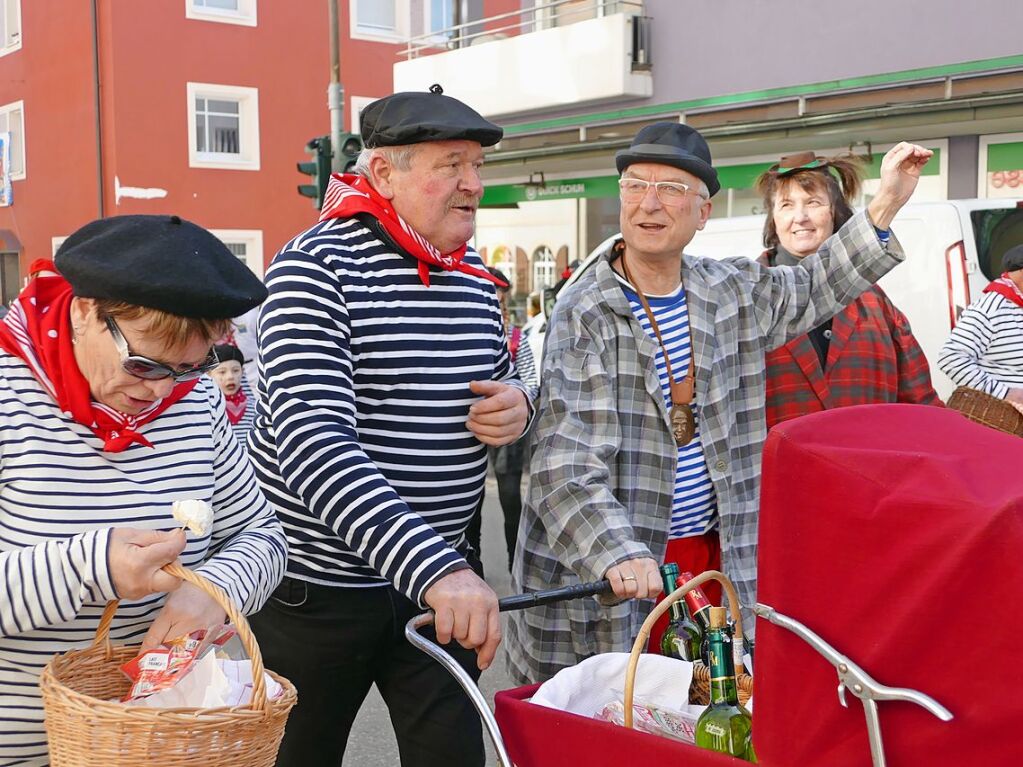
(961, 355)
(248, 544)
(305, 336)
(48, 583)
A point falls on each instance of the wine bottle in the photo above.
(699, 607)
(681, 639)
(725, 725)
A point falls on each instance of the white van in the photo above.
(953, 250)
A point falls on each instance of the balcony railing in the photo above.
(556, 13)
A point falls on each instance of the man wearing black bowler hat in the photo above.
(650, 430)
(385, 376)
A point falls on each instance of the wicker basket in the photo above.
(85, 729)
(699, 691)
(987, 410)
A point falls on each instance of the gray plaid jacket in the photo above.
(603, 465)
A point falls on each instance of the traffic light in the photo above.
(351, 145)
(318, 169)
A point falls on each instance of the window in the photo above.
(247, 244)
(503, 259)
(223, 11)
(441, 16)
(12, 119)
(356, 104)
(10, 26)
(376, 19)
(223, 122)
(543, 268)
(10, 277)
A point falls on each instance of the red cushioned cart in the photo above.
(890, 575)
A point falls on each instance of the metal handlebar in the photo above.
(466, 682)
(854, 679)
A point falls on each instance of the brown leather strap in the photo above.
(681, 391)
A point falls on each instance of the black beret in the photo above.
(674, 144)
(228, 352)
(159, 262)
(1013, 259)
(414, 117)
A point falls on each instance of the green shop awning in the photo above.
(731, 177)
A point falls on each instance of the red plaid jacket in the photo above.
(872, 357)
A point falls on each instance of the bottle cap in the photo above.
(718, 617)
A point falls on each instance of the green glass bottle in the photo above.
(681, 639)
(725, 726)
(699, 608)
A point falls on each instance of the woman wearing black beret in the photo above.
(106, 419)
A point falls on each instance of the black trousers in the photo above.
(334, 644)
(509, 491)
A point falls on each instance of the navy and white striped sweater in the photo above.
(360, 440)
(60, 495)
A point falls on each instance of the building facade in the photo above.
(199, 108)
(573, 81)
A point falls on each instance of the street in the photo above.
(372, 741)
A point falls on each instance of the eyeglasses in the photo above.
(151, 370)
(671, 193)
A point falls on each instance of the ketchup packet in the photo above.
(162, 667)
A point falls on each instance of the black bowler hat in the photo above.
(674, 144)
(414, 117)
(1013, 259)
(159, 262)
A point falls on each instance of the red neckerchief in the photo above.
(37, 329)
(514, 339)
(349, 194)
(1004, 286)
(236, 404)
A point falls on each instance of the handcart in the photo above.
(890, 569)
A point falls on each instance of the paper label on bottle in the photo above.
(715, 729)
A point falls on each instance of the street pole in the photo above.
(335, 91)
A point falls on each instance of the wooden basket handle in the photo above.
(234, 615)
(663, 607)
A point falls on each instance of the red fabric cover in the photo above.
(896, 533)
(536, 736)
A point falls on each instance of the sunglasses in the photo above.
(151, 370)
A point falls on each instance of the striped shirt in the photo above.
(694, 508)
(60, 495)
(985, 350)
(360, 440)
(244, 426)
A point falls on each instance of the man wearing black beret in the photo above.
(385, 377)
(649, 437)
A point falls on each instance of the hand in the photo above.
(635, 578)
(1015, 396)
(500, 417)
(187, 609)
(900, 172)
(136, 556)
(465, 609)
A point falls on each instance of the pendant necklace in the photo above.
(683, 421)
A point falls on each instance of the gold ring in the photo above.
(628, 577)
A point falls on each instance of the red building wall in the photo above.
(148, 52)
(53, 74)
